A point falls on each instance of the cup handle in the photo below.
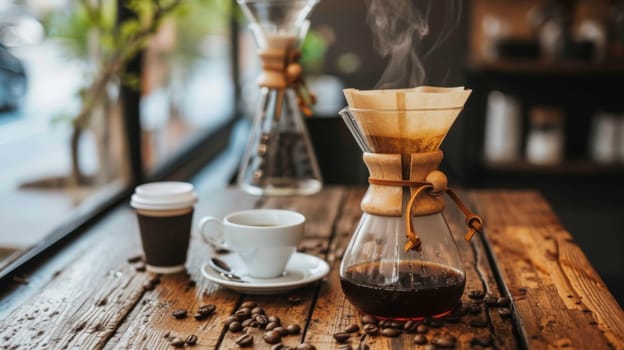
(211, 231)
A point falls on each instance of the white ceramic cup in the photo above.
(265, 239)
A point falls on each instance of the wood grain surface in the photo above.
(90, 297)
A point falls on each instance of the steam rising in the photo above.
(399, 29)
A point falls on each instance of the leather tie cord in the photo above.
(473, 221)
(285, 64)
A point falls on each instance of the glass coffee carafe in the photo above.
(402, 261)
(279, 158)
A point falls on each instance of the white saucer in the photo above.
(302, 269)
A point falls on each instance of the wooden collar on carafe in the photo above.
(281, 70)
(385, 194)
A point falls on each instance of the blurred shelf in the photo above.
(536, 67)
(571, 167)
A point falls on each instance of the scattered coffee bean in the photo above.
(280, 346)
(479, 323)
(257, 311)
(397, 324)
(204, 311)
(235, 327)
(191, 283)
(155, 279)
(243, 313)
(490, 300)
(420, 339)
(293, 329)
(244, 340)
(281, 331)
(272, 337)
(167, 334)
(368, 319)
(275, 319)
(385, 323)
(503, 302)
(390, 332)
(505, 312)
(422, 329)
(305, 346)
(231, 319)
(293, 299)
(148, 286)
(345, 347)
(191, 340)
(436, 323)
(476, 294)
(370, 329)
(177, 342)
(410, 326)
(342, 337)
(140, 267)
(271, 326)
(352, 328)
(250, 322)
(483, 341)
(445, 341)
(248, 304)
(135, 259)
(179, 313)
(262, 320)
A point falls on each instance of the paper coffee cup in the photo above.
(165, 214)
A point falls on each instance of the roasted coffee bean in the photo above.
(390, 332)
(397, 324)
(422, 329)
(179, 313)
(293, 329)
(243, 313)
(281, 331)
(368, 319)
(420, 339)
(191, 339)
(342, 337)
(436, 323)
(293, 299)
(235, 327)
(257, 311)
(484, 341)
(244, 340)
(167, 334)
(505, 312)
(503, 302)
(207, 309)
(155, 279)
(385, 323)
(148, 286)
(280, 346)
(140, 267)
(410, 326)
(370, 329)
(191, 283)
(249, 304)
(352, 328)
(231, 319)
(262, 320)
(275, 319)
(199, 316)
(272, 337)
(479, 323)
(490, 300)
(445, 341)
(271, 326)
(177, 342)
(250, 322)
(305, 346)
(134, 259)
(476, 294)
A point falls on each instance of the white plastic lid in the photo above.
(164, 195)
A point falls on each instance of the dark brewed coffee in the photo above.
(420, 289)
(165, 238)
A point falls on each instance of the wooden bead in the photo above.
(438, 180)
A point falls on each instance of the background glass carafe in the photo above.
(279, 158)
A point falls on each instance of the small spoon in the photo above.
(224, 270)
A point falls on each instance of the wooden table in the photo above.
(89, 296)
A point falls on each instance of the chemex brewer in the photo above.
(402, 261)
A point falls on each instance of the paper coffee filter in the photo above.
(422, 97)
